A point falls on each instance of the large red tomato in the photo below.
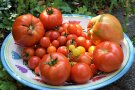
(108, 56)
(51, 17)
(27, 30)
(54, 69)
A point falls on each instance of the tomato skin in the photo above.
(27, 53)
(40, 52)
(27, 30)
(33, 62)
(80, 41)
(84, 58)
(71, 42)
(88, 43)
(64, 50)
(54, 35)
(50, 21)
(93, 68)
(72, 29)
(56, 74)
(71, 36)
(81, 73)
(45, 42)
(51, 49)
(55, 43)
(108, 56)
(62, 40)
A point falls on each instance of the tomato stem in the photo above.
(49, 10)
(52, 61)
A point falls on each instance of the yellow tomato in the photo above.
(76, 52)
(91, 49)
(71, 47)
(82, 49)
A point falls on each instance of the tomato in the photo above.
(81, 73)
(105, 27)
(48, 34)
(40, 52)
(72, 29)
(93, 68)
(54, 69)
(88, 43)
(71, 36)
(60, 29)
(63, 49)
(36, 70)
(62, 40)
(64, 33)
(71, 42)
(27, 53)
(76, 52)
(81, 49)
(45, 42)
(84, 58)
(33, 62)
(27, 30)
(108, 56)
(51, 18)
(54, 35)
(51, 49)
(71, 47)
(65, 26)
(91, 50)
(55, 43)
(80, 41)
(79, 30)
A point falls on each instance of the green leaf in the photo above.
(7, 86)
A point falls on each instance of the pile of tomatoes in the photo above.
(62, 52)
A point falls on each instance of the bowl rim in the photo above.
(107, 82)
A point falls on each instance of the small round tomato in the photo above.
(88, 43)
(37, 70)
(62, 40)
(93, 68)
(54, 69)
(108, 56)
(40, 52)
(71, 47)
(71, 36)
(45, 42)
(84, 58)
(71, 42)
(64, 33)
(82, 49)
(33, 62)
(80, 41)
(63, 49)
(51, 18)
(81, 73)
(55, 43)
(72, 29)
(27, 53)
(91, 50)
(51, 49)
(76, 52)
(65, 26)
(48, 34)
(54, 35)
(60, 29)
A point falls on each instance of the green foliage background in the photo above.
(10, 9)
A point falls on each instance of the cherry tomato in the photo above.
(54, 35)
(40, 52)
(37, 70)
(62, 40)
(81, 49)
(55, 43)
(51, 49)
(76, 52)
(81, 73)
(108, 56)
(27, 53)
(63, 49)
(71, 42)
(33, 62)
(88, 43)
(71, 47)
(72, 29)
(80, 41)
(93, 68)
(54, 69)
(45, 42)
(71, 36)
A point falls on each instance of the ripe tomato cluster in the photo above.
(61, 52)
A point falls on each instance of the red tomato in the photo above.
(93, 68)
(79, 30)
(64, 33)
(54, 69)
(81, 73)
(62, 40)
(27, 53)
(45, 42)
(54, 35)
(51, 49)
(72, 29)
(108, 56)
(40, 52)
(33, 62)
(27, 30)
(80, 41)
(60, 29)
(55, 43)
(71, 36)
(65, 26)
(88, 43)
(48, 34)
(84, 58)
(71, 42)
(36, 70)
(51, 17)
(64, 50)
